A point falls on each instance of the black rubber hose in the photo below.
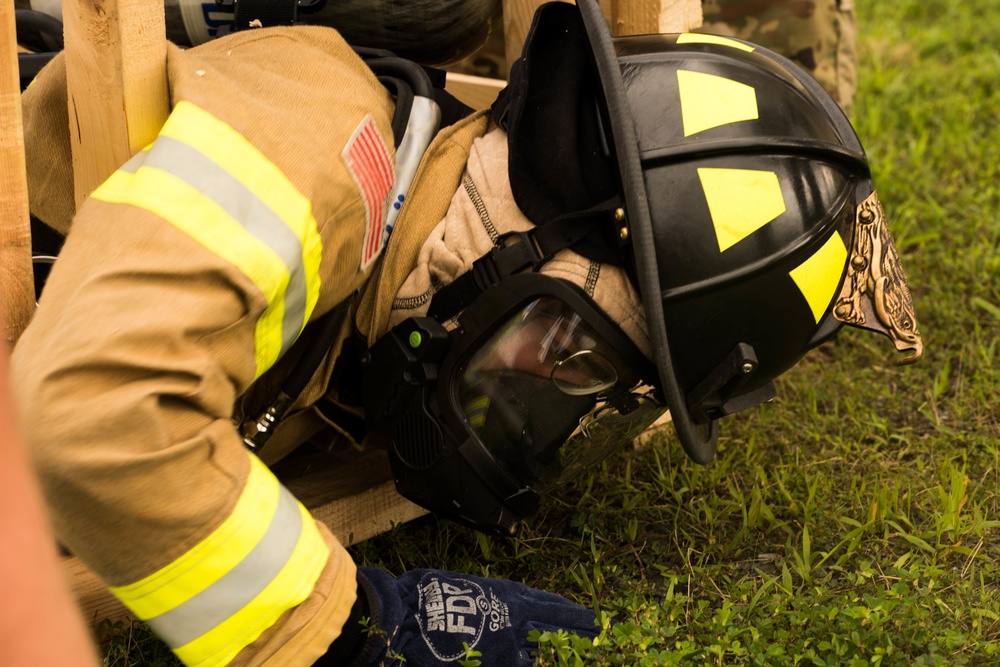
(38, 31)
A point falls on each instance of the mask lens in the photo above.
(584, 373)
(530, 387)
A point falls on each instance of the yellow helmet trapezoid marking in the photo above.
(740, 201)
(709, 101)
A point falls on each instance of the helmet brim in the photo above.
(700, 443)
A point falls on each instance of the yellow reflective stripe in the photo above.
(819, 276)
(214, 556)
(698, 38)
(238, 205)
(709, 101)
(291, 587)
(222, 594)
(241, 159)
(200, 217)
(740, 201)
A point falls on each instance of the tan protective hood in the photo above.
(481, 210)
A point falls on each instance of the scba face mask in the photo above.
(531, 387)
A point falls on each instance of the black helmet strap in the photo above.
(520, 251)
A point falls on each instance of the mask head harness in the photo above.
(531, 385)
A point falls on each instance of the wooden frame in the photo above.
(118, 100)
(16, 284)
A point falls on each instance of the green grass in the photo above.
(854, 520)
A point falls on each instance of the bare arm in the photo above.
(39, 622)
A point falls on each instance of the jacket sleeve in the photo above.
(185, 276)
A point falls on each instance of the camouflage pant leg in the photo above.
(818, 35)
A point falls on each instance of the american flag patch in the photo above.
(368, 161)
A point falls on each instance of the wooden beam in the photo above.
(17, 293)
(351, 492)
(638, 17)
(626, 17)
(117, 83)
(478, 92)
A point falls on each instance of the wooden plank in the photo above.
(17, 296)
(476, 91)
(351, 492)
(95, 602)
(637, 17)
(626, 17)
(681, 16)
(117, 83)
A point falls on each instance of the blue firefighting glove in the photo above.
(425, 616)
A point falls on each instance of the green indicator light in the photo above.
(416, 339)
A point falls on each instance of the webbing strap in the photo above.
(516, 252)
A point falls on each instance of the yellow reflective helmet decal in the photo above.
(819, 276)
(740, 201)
(219, 596)
(204, 178)
(475, 411)
(709, 101)
(696, 38)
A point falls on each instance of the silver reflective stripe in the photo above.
(239, 586)
(242, 205)
(134, 162)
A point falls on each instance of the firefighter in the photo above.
(497, 300)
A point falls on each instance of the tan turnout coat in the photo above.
(148, 333)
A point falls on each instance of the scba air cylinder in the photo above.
(432, 32)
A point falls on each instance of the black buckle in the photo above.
(515, 252)
(718, 394)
